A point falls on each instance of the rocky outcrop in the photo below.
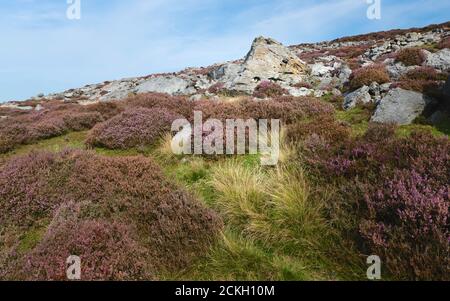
(401, 107)
(268, 60)
(314, 70)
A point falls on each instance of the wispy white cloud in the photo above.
(42, 51)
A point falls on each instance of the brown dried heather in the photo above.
(444, 43)
(88, 196)
(411, 56)
(367, 75)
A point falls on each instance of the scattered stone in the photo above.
(359, 96)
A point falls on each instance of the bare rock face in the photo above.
(268, 60)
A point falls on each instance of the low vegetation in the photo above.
(364, 76)
(269, 89)
(142, 223)
(343, 188)
(411, 56)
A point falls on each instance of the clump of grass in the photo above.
(278, 212)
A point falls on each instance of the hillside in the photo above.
(363, 169)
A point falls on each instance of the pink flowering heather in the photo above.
(132, 128)
(88, 199)
(269, 89)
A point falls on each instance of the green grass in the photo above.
(358, 119)
(33, 236)
(70, 140)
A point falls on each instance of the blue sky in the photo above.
(42, 51)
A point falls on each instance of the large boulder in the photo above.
(268, 60)
(439, 60)
(359, 96)
(401, 107)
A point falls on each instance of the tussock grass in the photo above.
(275, 206)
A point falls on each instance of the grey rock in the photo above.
(401, 107)
(336, 92)
(268, 60)
(196, 97)
(359, 96)
(397, 70)
(319, 69)
(384, 88)
(439, 60)
(166, 84)
(225, 72)
(39, 107)
(115, 90)
(297, 92)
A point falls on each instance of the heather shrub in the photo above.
(132, 128)
(424, 73)
(176, 104)
(268, 89)
(324, 128)
(350, 52)
(411, 56)
(216, 88)
(429, 87)
(286, 108)
(391, 194)
(107, 251)
(367, 75)
(303, 85)
(444, 43)
(81, 121)
(81, 190)
(12, 134)
(54, 120)
(107, 109)
(218, 110)
(407, 224)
